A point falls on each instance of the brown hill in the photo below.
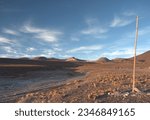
(55, 59)
(121, 60)
(73, 59)
(145, 57)
(103, 59)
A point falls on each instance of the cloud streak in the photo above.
(121, 52)
(30, 49)
(42, 34)
(85, 48)
(94, 29)
(9, 49)
(9, 31)
(6, 40)
(120, 22)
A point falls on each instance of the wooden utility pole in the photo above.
(134, 64)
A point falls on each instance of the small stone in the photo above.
(94, 85)
(90, 96)
(126, 94)
(148, 94)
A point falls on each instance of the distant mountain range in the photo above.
(145, 57)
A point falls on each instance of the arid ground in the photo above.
(47, 80)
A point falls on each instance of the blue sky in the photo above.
(86, 29)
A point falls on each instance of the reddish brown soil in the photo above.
(100, 81)
(104, 82)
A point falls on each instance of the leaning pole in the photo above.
(134, 89)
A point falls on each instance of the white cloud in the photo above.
(30, 29)
(4, 55)
(8, 55)
(94, 31)
(49, 52)
(118, 54)
(123, 52)
(9, 31)
(86, 48)
(57, 49)
(47, 36)
(26, 55)
(42, 34)
(65, 56)
(120, 22)
(30, 49)
(6, 40)
(9, 49)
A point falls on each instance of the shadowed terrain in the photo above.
(20, 76)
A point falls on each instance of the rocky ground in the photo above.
(103, 82)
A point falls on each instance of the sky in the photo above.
(86, 29)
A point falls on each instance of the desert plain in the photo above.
(49, 80)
